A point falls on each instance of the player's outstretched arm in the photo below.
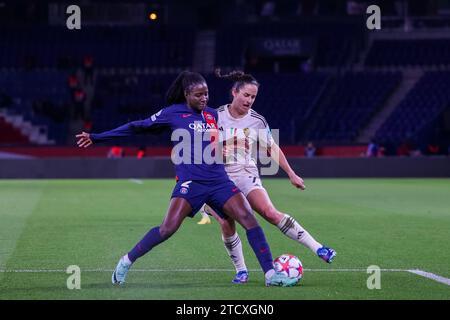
(153, 124)
(84, 140)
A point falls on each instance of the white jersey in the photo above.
(240, 137)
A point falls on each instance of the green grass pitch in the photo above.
(48, 225)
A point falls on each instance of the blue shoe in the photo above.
(281, 280)
(326, 254)
(241, 277)
(120, 273)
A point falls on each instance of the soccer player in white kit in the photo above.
(241, 128)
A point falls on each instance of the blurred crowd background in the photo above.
(326, 79)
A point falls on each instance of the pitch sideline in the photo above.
(418, 272)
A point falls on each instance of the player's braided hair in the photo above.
(240, 78)
(183, 82)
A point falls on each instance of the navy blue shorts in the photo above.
(213, 193)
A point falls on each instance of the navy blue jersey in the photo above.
(199, 127)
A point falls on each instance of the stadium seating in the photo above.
(326, 106)
(334, 44)
(419, 109)
(349, 105)
(120, 99)
(420, 52)
(10, 135)
(129, 47)
(48, 89)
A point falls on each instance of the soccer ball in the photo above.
(290, 265)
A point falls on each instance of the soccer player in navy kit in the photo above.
(198, 181)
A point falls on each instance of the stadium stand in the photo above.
(123, 98)
(332, 44)
(414, 52)
(353, 98)
(419, 110)
(41, 97)
(165, 47)
(326, 102)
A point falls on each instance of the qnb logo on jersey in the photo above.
(202, 127)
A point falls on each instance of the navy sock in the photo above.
(150, 240)
(259, 244)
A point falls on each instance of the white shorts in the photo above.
(246, 180)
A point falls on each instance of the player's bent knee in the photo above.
(248, 220)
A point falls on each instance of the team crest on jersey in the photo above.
(247, 132)
(184, 190)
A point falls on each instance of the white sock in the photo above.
(233, 245)
(269, 274)
(292, 229)
(126, 259)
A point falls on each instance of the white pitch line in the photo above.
(185, 270)
(137, 181)
(418, 272)
(431, 276)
